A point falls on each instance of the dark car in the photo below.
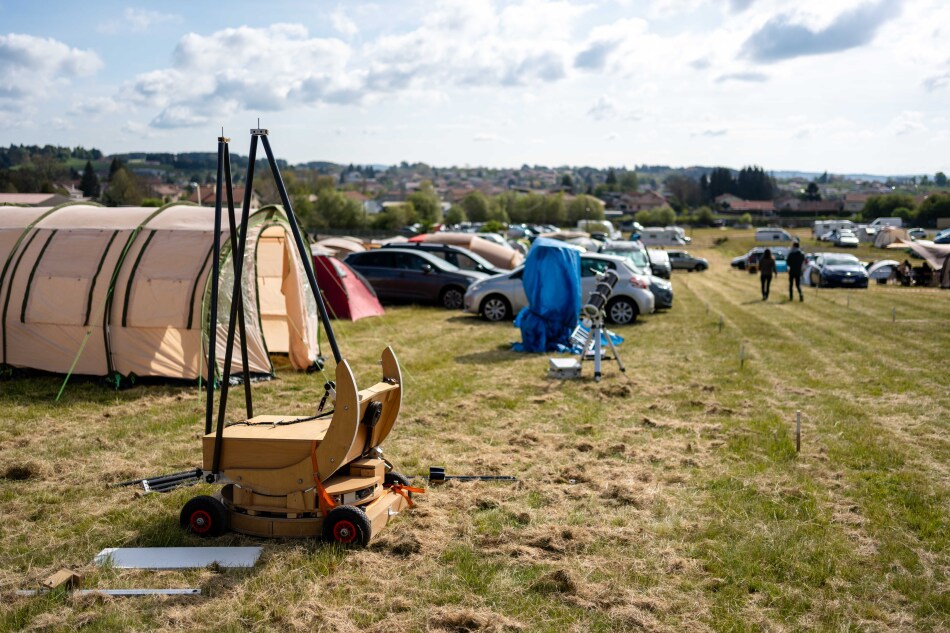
(662, 292)
(681, 260)
(750, 261)
(837, 269)
(403, 274)
(455, 255)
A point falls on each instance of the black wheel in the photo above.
(452, 298)
(204, 516)
(347, 525)
(699, 268)
(496, 308)
(622, 311)
(396, 478)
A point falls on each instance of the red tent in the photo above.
(347, 294)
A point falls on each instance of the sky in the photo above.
(845, 86)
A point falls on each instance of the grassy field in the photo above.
(669, 498)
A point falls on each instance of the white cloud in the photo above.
(30, 67)
(136, 21)
(906, 122)
(342, 23)
(603, 108)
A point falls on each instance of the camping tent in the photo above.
(347, 294)
(126, 290)
(501, 256)
(341, 246)
(889, 235)
(936, 255)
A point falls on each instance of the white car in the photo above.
(501, 297)
(845, 238)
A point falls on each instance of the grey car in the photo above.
(682, 260)
(636, 256)
(501, 297)
(405, 275)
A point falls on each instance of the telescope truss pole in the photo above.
(305, 253)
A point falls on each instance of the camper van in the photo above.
(772, 234)
(823, 227)
(880, 223)
(599, 226)
(664, 236)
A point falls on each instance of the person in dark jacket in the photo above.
(795, 261)
(766, 270)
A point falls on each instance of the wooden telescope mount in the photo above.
(289, 475)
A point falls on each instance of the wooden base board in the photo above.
(379, 512)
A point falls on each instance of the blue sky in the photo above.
(841, 85)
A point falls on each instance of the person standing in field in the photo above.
(795, 261)
(766, 270)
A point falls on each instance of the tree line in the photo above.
(904, 206)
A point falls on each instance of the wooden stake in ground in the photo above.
(742, 356)
(798, 431)
(893, 315)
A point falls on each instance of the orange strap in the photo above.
(403, 491)
(324, 501)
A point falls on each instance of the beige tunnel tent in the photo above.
(127, 290)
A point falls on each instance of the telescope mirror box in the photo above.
(564, 368)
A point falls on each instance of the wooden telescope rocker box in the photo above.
(291, 475)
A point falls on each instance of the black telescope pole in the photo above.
(305, 253)
(242, 332)
(237, 295)
(215, 271)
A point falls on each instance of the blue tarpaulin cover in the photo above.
(552, 284)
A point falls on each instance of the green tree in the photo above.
(114, 167)
(936, 205)
(89, 184)
(393, 217)
(611, 180)
(704, 216)
(123, 190)
(584, 208)
(477, 206)
(811, 192)
(883, 206)
(338, 211)
(455, 215)
(745, 219)
(567, 182)
(427, 205)
(940, 179)
(627, 183)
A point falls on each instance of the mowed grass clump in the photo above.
(670, 497)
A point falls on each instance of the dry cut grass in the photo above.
(669, 498)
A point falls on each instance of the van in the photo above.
(773, 235)
(821, 227)
(882, 222)
(664, 236)
(599, 226)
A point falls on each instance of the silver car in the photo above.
(501, 297)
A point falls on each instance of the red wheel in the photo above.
(204, 516)
(344, 532)
(347, 525)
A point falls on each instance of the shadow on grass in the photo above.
(500, 354)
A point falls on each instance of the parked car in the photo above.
(455, 255)
(942, 237)
(917, 233)
(843, 238)
(837, 269)
(660, 262)
(501, 297)
(750, 261)
(771, 234)
(636, 256)
(681, 260)
(404, 274)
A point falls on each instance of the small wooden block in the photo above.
(63, 577)
(367, 468)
